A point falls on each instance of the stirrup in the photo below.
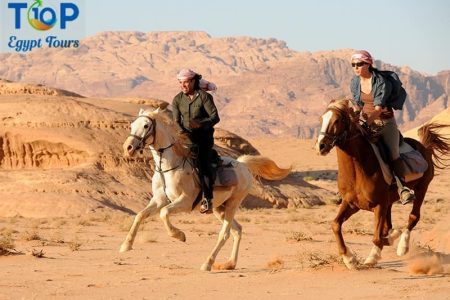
(206, 206)
(406, 195)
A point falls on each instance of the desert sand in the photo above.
(68, 199)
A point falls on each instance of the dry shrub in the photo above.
(85, 222)
(31, 236)
(183, 221)
(275, 264)
(297, 236)
(6, 244)
(102, 218)
(358, 231)
(243, 219)
(317, 260)
(38, 253)
(74, 245)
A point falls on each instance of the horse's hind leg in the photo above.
(224, 234)
(151, 208)
(236, 232)
(345, 212)
(414, 217)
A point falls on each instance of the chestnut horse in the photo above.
(361, 183)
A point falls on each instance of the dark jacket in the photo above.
(201, 108)
(381, 90)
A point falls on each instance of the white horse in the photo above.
(175, 183)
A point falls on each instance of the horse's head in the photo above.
(335, 126)
(142, 133)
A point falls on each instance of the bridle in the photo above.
(332, 140)
(142, 143)
(143, 139)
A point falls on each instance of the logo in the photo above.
(42, 23)
(44, 18)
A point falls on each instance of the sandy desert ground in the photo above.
(67, 199)
(285, 253)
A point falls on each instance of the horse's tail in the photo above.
(264, 167)
(436, 143)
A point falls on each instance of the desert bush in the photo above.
(38, 253)
(31, 236)
(297, 236)
(6, 243)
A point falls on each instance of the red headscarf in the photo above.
(362, 55)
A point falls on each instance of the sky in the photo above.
(415, 33)
(401, 32)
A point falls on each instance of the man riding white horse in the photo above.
(195, 114)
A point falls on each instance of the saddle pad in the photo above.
(226, 174)
(387, 174)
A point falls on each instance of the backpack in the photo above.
(398, 94)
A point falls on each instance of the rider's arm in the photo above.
(176, 114)
(211, 110)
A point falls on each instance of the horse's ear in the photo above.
(157, 110)
(141, 112)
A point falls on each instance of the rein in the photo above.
(339, 139)
(160, 151)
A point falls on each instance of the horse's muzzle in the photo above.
(128, 148)
(322, 148)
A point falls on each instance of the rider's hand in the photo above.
(194, 124)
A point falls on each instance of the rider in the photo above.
(195, 114)
(370, 91)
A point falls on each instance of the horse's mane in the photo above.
(343, 107)
(340, 104)
(182, 142)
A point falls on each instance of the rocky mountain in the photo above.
(265, 88)
(61, 155)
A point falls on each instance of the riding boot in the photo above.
(406, 194)
(206, 204)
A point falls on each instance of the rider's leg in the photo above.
(391, 138)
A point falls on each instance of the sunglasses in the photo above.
(358, 64)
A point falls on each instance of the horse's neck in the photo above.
(355, 150)
(163, 151)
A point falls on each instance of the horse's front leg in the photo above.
(181, 204)
(345, 212)
(153, 207)
(379, 240)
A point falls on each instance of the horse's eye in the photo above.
(146, 126)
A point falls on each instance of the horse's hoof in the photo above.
(124, 248)
(370, 262)
(180, 236)
(205, 267)
(349, 260)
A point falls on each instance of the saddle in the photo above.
(415, 163)
(226, 174)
